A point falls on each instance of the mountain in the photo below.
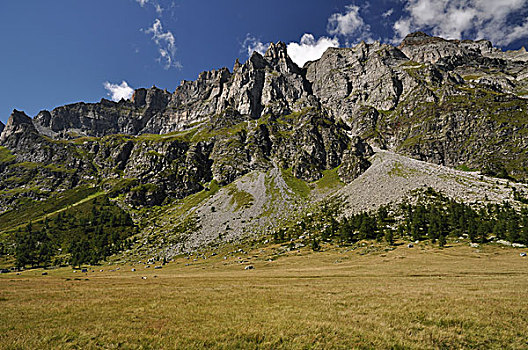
(236, 153)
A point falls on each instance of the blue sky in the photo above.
(63, 51)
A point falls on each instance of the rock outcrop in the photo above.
(450, 102)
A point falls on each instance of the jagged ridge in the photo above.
(455, 103)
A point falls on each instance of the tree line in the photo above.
(85, 234)
(432, 217)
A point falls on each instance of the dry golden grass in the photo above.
(407, 298)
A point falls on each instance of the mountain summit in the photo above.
(449, 102)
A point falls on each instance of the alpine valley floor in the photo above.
(367, 295)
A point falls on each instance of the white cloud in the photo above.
(118, 92)
(166, 43)
(252, 44)
(310, 49)
(159, 9)
(388, 13)
(517, 32)
(155, 4)
(348, 24)
(471, 19)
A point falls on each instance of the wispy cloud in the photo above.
(118, 91)
(471, 19)
(166, 43)
(252, 44)
(157, 5)
(387, 13)
(159, 9)
(349, 25)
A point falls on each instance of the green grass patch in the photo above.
(398, 170)
(207, 132)
(189, 203)
(411, 142)
(6, 156)
(298, 186)
(471, 77)
(240, 199)
(183, 136)
(329, 180)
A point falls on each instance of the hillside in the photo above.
(241, 153)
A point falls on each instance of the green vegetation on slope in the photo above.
(34, 211)
(186, 205)
(239, 199)
(435, 217)
(6, 156)
(330, 180)
(85, 233)
(298, 186)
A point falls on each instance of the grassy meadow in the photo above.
(408, 298)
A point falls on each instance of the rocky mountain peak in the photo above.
(418, 38)
(18, 117)
(153, 98)
(2, 126)
(17, 123)
(237, 65)
(277, 51)
(277, 56)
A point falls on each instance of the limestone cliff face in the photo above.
(456, 103)
(152, 169)
(103, 118)
(450, 102)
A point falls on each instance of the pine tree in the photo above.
(25, 248)
(415, 234)
(442, 241)
(315, 245)
(389, 236)
(524, 235)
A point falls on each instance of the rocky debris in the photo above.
(392, 178)
(249, 267)
(503, 242)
